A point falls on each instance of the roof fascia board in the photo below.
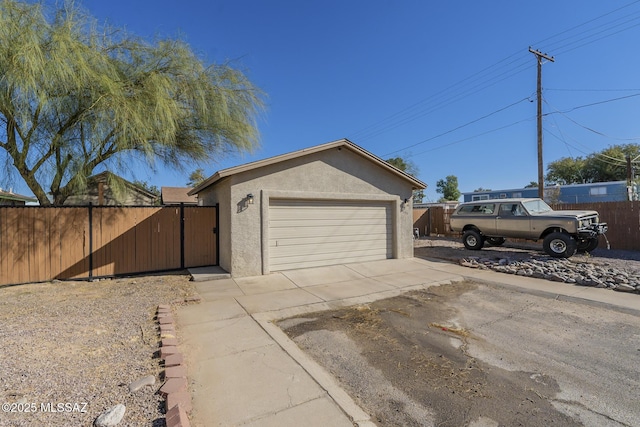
(417, 184)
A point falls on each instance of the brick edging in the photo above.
(174, 389)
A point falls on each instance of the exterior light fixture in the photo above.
(250, 198)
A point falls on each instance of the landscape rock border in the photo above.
(174, 389)
(560, 270)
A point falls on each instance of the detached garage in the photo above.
(330, 204)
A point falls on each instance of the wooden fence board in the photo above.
(622, 218)
(40, 244)
(199, 227)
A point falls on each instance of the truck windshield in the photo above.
(536, 206)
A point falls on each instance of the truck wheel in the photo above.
(472, 240)
(495, 241)
(559, 245)
(587, 245)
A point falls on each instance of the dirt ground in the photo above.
(407, 362)
(82, 344)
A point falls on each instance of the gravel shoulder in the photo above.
(83, 342)
(452, 249)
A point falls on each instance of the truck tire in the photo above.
(559, 245)
(495, 241)
(472, 240)
(587, 245)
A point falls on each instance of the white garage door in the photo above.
(304, 233)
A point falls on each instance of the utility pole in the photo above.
(539, 56)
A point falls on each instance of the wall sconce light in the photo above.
(250, 198)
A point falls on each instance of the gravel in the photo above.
(70, 349)
(452, 249)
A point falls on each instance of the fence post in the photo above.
(182, 236)
(217, 233)
(90, 241)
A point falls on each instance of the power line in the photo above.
(497, 73)
(474, 136)
(606, 101)
(458, 127)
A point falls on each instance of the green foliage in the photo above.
(532, 184)
(74, 96)
(153, 189)
(481, 190)
(607, 165)
(448, 187)
(567, 170)
(409, 167)
(196, 178)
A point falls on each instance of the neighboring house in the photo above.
(329, 204)
(100, 191)
(615, 191)
(177, 195)
(9, 198)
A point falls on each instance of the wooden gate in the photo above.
(39, 244)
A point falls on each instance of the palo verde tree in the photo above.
(75, 96)
(196, 177)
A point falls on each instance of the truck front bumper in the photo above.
(593, 231)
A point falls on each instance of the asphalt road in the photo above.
(593, 353)
(481, 356)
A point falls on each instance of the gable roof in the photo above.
(341, 143)
(177, 195)
(106, 175)
(9, 195)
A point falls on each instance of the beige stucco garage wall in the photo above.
(333, 174)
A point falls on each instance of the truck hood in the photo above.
(574, 214)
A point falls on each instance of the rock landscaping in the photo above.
(561, 270)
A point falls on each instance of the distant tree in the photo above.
(607, 165)
(409, 167)
(532, 184)
(74, 96)
(151, 189)
(196, 178)
(448, 187)
(610, 164)
(552, 195)
(567, 170)
(481, 190)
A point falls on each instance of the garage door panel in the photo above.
(294, 248)
(332, 259)
(322, 214)
(304, 233)
(327, 222)
(317, 239)
(296, 231)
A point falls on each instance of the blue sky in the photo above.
(449, 85)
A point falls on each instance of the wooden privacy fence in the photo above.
(40, 244)
(433, 220)
(623, 219)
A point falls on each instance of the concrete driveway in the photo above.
(244, 371)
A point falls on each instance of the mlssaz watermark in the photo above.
(27, 407)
